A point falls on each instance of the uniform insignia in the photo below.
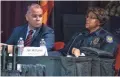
(96, 40)
(109, 39)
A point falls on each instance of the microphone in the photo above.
(14, 58)
(4, 57)
(68, 55)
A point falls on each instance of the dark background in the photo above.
(13, 14)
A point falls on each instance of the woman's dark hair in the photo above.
(101, 14)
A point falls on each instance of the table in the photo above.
(70, 66)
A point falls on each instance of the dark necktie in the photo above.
(29, 38)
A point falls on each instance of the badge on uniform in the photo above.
(109, 39)
(96, 40)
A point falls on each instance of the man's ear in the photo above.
(26, 17)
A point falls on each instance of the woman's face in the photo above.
(91, 21)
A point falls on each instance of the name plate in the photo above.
(34, 51)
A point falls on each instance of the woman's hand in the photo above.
(76, 52)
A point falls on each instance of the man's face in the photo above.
(34, 17)
(91, 21)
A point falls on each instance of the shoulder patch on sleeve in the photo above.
(109, 39)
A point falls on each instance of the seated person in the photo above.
(33, 31)
(94, 36)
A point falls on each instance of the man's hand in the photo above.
(76, 52)
(10, 48)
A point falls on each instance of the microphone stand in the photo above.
(14, 58)
(4, 57)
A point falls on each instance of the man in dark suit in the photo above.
(35, 26)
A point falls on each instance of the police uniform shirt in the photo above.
(100, 39)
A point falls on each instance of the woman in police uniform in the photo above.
(95, 36)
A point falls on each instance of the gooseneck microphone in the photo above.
(68, 55)
(4, 57)
(14, 58)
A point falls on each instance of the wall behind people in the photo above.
(12, 14)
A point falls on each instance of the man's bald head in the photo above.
(33, 6)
